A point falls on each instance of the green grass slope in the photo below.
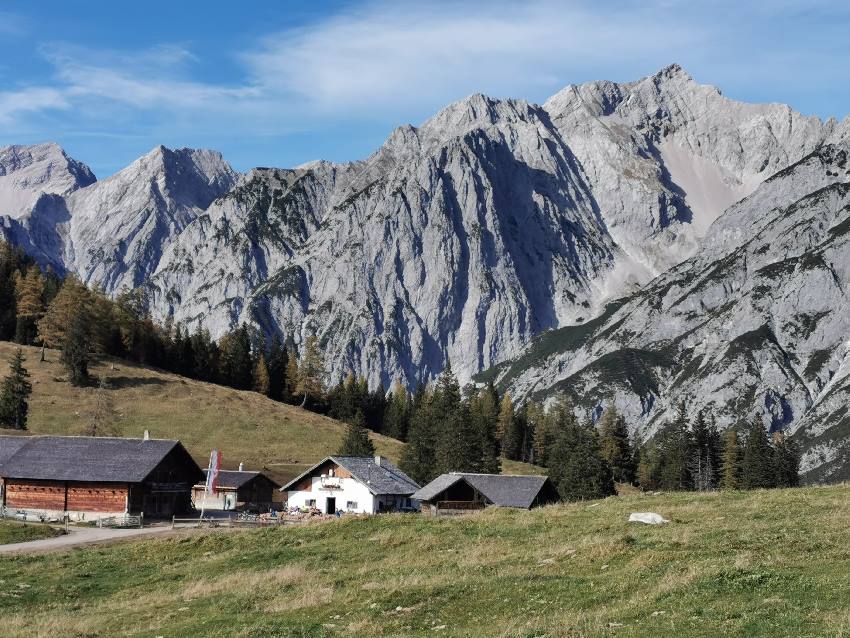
(13, 532)
(767, 563)
(244, 426)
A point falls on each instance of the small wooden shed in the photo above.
(458, 492)
(237, 490)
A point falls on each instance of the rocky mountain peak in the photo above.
(28, 171)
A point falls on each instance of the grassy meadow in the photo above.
(245, 426)
(13, 532)
(765, 563)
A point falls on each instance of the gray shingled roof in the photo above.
(84, 458)
(500, 489)
(235, 478)
(9, 445)
(385, 478)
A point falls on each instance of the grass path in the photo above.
(738, 564)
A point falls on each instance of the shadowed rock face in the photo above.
(755, 325)
(493, 222)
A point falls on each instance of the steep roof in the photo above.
(85, 458)
(380, 478)
(9, 445)
(500, 489)
(237, 479)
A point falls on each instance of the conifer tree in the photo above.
(236, 366)
(674, 454)
(504, 425)
(546, 428)
(758, 469)
(14, 394)
(397, 415)
(615, 445)
(357, 441)
(29, 298)
(459, 444)
(76, 347)
(705, 455)
(277, 364)
(311, 370)
(9, 266)
(103, 418)
(262, 382)
(485, 420)
(292, 379)
(419, 458)
(647, 468)
(730, 472)
(576, 464)
(787, 461)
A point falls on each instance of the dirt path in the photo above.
(79, 536)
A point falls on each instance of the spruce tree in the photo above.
(458, 444)
(674, 454)
(730, 471)
(787, 461)
(576, 464)
(397, 415)
(513, 425)
(486, 422)
(615, 445)
(76, 346)
(418, 459)
(757, 462)
(277, 362)
(357, 441)
(705, 455)
(14, 395)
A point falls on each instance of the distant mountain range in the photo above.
(646, 243)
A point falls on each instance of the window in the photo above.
(311, 502)
(351, 505)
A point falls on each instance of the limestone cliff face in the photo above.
(624, 233)
(754, 325)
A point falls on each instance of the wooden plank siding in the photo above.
(97, 497)
(61, 496)
(46, 495)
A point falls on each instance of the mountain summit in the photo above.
(486, 235)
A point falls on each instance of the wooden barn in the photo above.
(458, 492)
(82, 476)
(237, 490)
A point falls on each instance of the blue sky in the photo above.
(281, 83)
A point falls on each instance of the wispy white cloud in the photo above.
(401, 53)
(392, 62)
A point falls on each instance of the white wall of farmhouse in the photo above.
(348, 494)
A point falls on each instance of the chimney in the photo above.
(146, 436)
(241, 467)
(378, 460)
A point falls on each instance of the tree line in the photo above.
(444, 427)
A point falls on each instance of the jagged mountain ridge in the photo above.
(755, 325)
(112, 232)
(395, 280)
(465, 237)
